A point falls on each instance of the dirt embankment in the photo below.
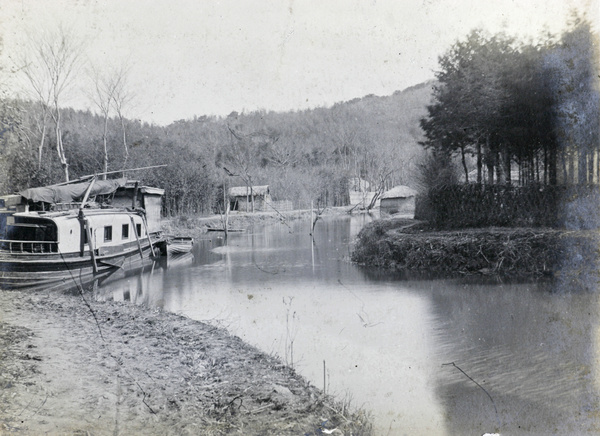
(408, 245)
(196, 225)
(80, 367)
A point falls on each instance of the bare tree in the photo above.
(42, 93)
(49, 63)
(242, 151)
(342, 130)
(104, 89)
(111, 92)
(122, 98)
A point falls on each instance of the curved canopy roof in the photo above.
(73, 192)
(399, 192)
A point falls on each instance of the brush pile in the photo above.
(532, 252)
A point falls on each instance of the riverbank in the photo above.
(196, 225)
(71, 365)
(408, 245)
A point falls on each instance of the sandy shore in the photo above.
(73, 366)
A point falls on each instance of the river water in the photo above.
(424, 356)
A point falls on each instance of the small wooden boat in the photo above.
(220, 229)
(179, 245)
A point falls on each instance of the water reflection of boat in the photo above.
(67, 237)
(179, 245)
(131, 268)
(139, 284)
(179, 260)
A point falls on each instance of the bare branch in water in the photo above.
(481, 387)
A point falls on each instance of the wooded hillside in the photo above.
(304, 156)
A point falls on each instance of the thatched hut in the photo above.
(399, 199)
(249, 198)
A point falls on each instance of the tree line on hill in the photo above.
(520, 113)
(305, 156)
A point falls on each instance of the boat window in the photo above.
(138, 229)
(31, 232)
(3, 222)
(125, 231)
(107, 233)
(85, 235)
(27, 235)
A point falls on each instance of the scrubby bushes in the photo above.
(520, 251)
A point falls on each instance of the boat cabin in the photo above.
(141, 197)
(50, 219)
(117, 193)
(110, 230)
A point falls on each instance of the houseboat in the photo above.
(77, 231)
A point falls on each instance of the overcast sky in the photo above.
(209, 57)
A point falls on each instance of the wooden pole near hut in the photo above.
(226, 207)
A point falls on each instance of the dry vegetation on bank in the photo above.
(188, 225)
(115, 368)
(407, 245)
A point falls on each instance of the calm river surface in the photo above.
(434, 357)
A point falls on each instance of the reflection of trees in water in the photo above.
(529, 349)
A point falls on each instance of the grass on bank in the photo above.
(412, 246)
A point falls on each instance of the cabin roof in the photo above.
(242, 191)
(72, 192)
(399, 192)
(73, 213)
(152, 191)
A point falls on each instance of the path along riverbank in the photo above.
(411, 246)
(197, 225)
(70, 365)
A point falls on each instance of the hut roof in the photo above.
(242, 191)
(399, 192)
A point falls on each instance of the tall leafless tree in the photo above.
(49, 63)
(111, 95)
(122, 98)
(242, 152)
(102, 96)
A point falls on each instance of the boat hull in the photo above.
(55, 269)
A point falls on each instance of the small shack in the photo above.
(249, 198)
(144, 197)
(399, 200)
